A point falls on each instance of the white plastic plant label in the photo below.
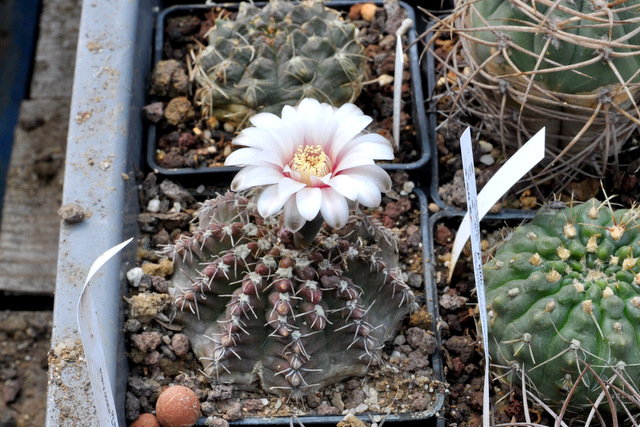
(89, 327)
(529, 155)
(397, 80)
(506, 177)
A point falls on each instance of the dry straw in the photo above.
(572, 66)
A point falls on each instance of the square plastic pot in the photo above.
(429, 75)
(223, 173)
(103, 159)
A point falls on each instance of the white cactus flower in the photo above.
(315, 159)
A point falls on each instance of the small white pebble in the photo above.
(264, 401)
(408, 186)
(135, 276)
(433, 208)
(153, 205)
(377, 418)
(200, 189)
(176, 207)
(487, 159)
(400, 339)
(485, 146)
(361, 408)
(277, 405)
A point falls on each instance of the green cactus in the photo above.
(256, 309)
(277, 55)
(574, 23)
(566, 287)
(568, 66)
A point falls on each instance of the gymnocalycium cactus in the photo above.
(277, 55)
(256, 307)
(302, 301)
(565, 288)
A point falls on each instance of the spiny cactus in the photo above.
(565, 288)
(277, 55)
(257, 309)
(568, 66)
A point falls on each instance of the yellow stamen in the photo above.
(310, 160)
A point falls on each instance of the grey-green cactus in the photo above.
(277, 55)
(257, 309)
(565, 288)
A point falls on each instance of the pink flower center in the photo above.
(310, 160)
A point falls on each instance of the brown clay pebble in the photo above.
(177, 406)
(145, 420)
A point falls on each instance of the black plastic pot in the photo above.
(223, 174)
(437, 364)
(429, 74)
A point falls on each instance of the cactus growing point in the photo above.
(563, 290)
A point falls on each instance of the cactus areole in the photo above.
(563, 290)
(277, 55)
(576, 46)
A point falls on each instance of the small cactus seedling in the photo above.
(564, 293)
(258, 309)
(277, 55)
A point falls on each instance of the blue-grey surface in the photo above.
(102, 157)
(18, 24)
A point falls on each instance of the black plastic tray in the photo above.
(224, 173)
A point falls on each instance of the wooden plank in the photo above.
(30, 224)
(56, 49)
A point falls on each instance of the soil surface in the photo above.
(24, 346)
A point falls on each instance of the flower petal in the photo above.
(372, 173)
(270, 202)
(309, 200)
(324, 127)
(347, 112)
(252, 176)
(292, 218)
(369, 139)
(352, 161)
(346, 133)
(368, 192)
(252, 157)
(363, 154)
(288, 186)
(344, 185)
(266, 121)
(261, 139)
(334, 208)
